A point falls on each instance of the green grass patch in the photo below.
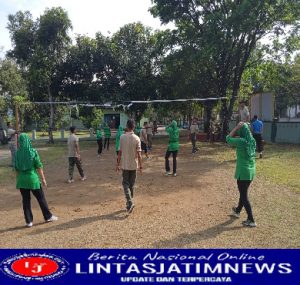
(57, 134)
(280, 163)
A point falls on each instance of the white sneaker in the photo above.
(129, 210)
(174, 174)
(168, 173)
(70, 180)
(250, 224)
(83, 178)
(52, 219)
(234, 213)
(29, 225)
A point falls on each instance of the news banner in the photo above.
(149, 266)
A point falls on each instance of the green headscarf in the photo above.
(25, 154)
(175, 129)
(249, 142)
(173, 132)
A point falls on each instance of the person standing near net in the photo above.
(173, 148)
(129, 160)
(107, 134)
(150, 135)
(29, 170)
(144, 141)
(257, 129)
(118, 136)
(194, 130)
(99, 141)
(244, 113)
(245, 168)
(11, 138)
(74, 155)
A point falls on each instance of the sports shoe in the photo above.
(234, 213)
(130, 209)
(248, 223)
(29, 225)
(83, 178)
(174, 174)
(52, 219)
(70, 180)
(168, 173)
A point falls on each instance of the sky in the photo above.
(87, 16)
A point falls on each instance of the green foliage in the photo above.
(40, 47)
(91, 119)
(13, 86)
(223, 34)
(134, 49)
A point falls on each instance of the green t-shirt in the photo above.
(107, 132)
(118, 136)
(98, 134)
(245, 165)
(29, 179)
(173, 139)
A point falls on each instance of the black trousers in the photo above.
(144, 147)
(40, 196)
(99, 142)
(167, 163)
(106, 143)
(194, 139)
(243, 186)
(259, 142)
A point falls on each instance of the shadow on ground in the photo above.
(185, 239)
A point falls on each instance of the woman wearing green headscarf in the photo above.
(29, 167)
(173, 147)
(245, 168)
(118, 136)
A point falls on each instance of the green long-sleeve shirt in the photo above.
(245, 165)
(173, 139)
(29, 179)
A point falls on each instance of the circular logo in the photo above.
(34, 266)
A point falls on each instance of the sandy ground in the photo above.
(187, 211)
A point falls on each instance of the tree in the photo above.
(91, 119)
(13, 87)
(39, 47)
(226, 33)
(134, 50)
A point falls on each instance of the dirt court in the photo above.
(187, 211)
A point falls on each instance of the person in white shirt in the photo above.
(129, 160)
(144, 140)
(194, 130)
(74, 155)
(244, 112)
(150, 134)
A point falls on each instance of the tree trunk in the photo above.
(51, 118)
(208, 111)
